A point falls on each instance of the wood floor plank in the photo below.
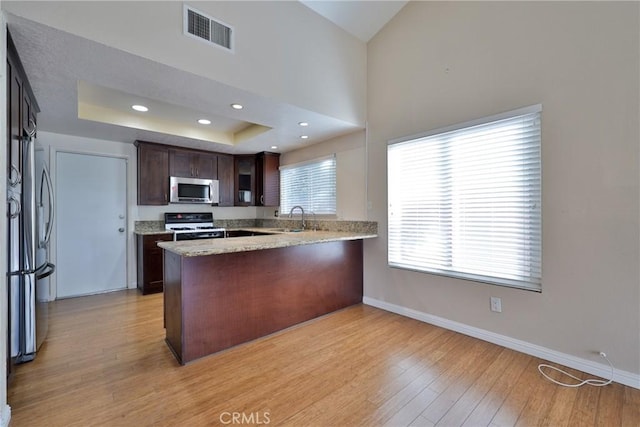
(422, 369)
(464, 406)
(631, 407)
(460, 382)
(517, 397)
(409, 384)
(412, 410)
(582, 412)
(105, 363)
(539, 402)
(610, 406)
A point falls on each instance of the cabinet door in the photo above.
(205, 166)
(153, 174)
(225, 176)
(245, 180)
(152, 259)
(268, 179)
(150, 262)
(14, 128)
(180, 164)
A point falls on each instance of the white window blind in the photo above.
(465, 201)
(311, 185)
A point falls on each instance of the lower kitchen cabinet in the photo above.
(150, 264)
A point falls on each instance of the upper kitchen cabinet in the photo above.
(245, 180)
(267, 179)
(193, 164)
(153, 174)
(21, 107)
(257, 179)
(225, 176)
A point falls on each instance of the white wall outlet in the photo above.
(496, 304)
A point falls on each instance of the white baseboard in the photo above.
(584, 365)
(5, 416)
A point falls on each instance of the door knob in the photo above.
(121, 229)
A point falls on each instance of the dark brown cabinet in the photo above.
(150, 264)
(257, 179)
(225, 177)
(153, 173)
(21, 110)
(245, 180)
(267, 179)
(14, 125)
(193, 164)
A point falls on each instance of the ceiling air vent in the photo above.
(203, 27)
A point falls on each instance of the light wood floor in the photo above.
(105, 363)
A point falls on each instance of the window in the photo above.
(465, 201)
(311, 185)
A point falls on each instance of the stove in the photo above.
(190, 226)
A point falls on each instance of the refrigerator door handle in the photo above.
(32, 132)
(46, 177)
(45, 271)
(14, 201)
(18, 176)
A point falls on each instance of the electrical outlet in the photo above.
(496, 304)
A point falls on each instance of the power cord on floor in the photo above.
(590, 381)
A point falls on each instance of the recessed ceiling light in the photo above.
(274, 147)
(204, 121)
(237, 106)
(140, 108)
(304, 136)
(303, 124)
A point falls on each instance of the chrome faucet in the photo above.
(301, 210)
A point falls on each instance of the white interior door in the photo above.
(91, 222)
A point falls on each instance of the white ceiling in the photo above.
(361, 18)
(86, 89)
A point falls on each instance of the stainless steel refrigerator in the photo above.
(31, 210)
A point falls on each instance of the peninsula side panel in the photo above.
(231, 298)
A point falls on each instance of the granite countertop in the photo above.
(143, 228)
(148, 232)
(276, 239)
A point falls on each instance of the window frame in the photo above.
(534, 281)
(307, 163)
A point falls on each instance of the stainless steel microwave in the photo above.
(193, 190)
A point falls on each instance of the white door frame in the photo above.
(53, 245)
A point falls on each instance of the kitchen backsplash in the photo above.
(369, 227)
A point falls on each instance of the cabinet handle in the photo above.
(165, 197)
(262, 199)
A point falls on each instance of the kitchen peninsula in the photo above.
(223, 292)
